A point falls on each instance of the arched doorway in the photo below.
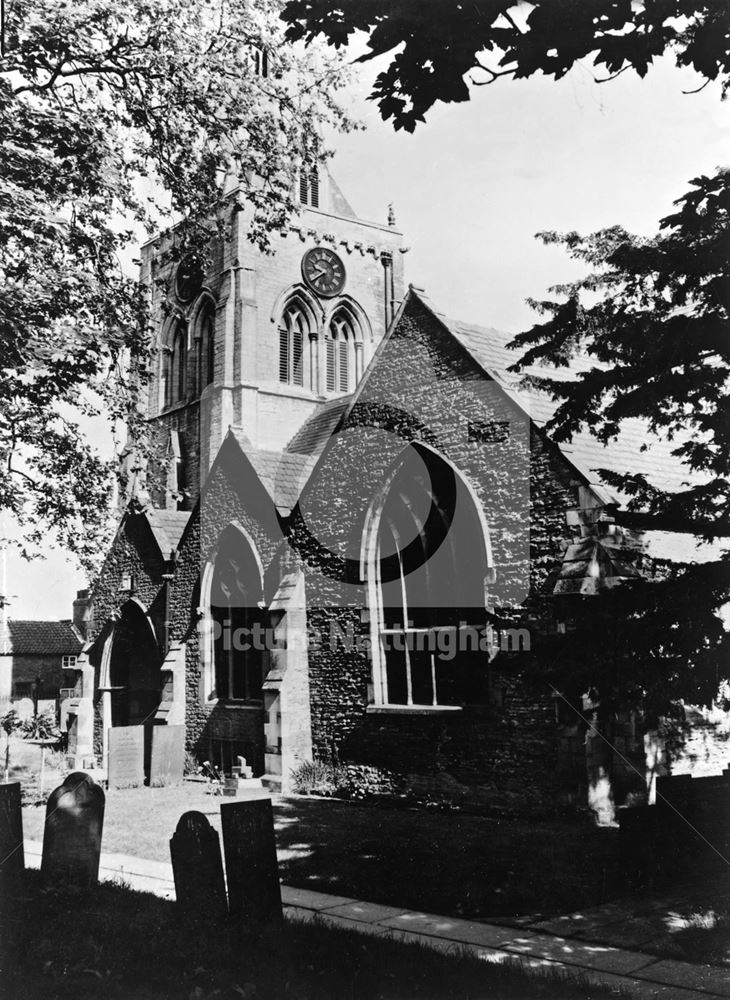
(134, 669)
(427, 559)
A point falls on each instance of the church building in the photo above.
(345, 484)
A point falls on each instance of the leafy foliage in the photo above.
(436, 46)
(9, 722)
(652, 316)
(40, 727)
(115, 117)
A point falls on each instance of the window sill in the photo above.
(412, 709)
(250, 706)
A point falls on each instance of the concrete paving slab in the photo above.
(584, 954)
(320, 916)
(125, 864)
(697, 977)
(312, 900)
(582, 920)
(451, 929)
(623, 933)
(369, 913)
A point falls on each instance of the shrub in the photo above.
(317, 777)
(40, 727)
(190, 764)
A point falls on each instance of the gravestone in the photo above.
(12, 869)
(126, 756)
(12, 861)
(197, 867)
(72, 834)
(252, 871)
(24, 708)
(167, 760)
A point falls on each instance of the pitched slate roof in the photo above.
(317, 429)
(283, 474)
(623, 454)
(37, 638)
(167, 527)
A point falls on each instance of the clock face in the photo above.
(189, 278)
(323, 271)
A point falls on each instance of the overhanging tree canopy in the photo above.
(437, 47)
(115, 116)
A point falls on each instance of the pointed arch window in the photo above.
(178, 364)
(206, 346)
(236, 618)
(294, 330)
(166, 377)
(343, 353)
(427, 564)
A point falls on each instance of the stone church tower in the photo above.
(258, 341)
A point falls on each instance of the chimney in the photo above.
(81, 611)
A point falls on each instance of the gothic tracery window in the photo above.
(427, 564)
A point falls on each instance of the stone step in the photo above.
(271, 781)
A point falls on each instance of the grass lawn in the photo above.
(114, 943)
(447, 863)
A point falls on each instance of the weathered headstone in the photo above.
(12, 869)
(168, 755)
(72, 834)
(126, 756)
(197, 867)
(12, 861)
(24, 708)
(252, 871)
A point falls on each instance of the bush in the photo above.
(10, 722)
(316, 777)
(40, 727)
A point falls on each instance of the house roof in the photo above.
(167, 527)
(38, 638)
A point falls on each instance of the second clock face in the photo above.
(323, 271)
(189, 278)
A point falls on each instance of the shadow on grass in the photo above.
(109, 941)
(448, 863)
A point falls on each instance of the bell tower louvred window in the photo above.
(293, 329)
(309, 187)
(344, 352)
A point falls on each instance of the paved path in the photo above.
(553, 944)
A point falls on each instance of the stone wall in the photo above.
(425, 387)
(230, 497)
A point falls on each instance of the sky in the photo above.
(475, 183)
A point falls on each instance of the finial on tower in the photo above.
(391, 215)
